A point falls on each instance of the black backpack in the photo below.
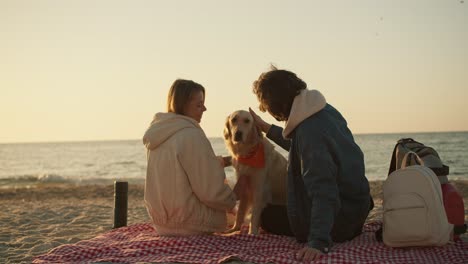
(429, 156)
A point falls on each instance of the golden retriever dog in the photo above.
(265, 169)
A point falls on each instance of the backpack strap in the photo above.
(408, 157)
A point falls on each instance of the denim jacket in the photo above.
(326, 174)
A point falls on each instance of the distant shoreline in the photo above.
(212, 137)
(15, 184)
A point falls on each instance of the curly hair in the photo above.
(276, 90)
(180, 94)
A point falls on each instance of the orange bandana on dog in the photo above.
(256, 158)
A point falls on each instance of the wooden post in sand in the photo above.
(120, 203)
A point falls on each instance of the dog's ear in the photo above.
(227, 129)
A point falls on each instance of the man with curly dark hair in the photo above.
(328, 192)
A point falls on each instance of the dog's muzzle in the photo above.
(238, 136)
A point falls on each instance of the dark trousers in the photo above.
(274, 219)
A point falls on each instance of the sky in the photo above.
(99, 70)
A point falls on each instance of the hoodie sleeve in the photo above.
(319, 175)
(205, 173)
(275, 133)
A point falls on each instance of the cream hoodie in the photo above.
(305, 104)
(185, 189)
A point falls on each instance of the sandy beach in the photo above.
(35, 220)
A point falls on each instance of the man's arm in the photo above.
(275, 133)
(319, 174)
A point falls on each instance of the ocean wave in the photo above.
(42, 179)
(33, 179)
(45, 177)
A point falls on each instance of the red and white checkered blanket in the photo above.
(139, 243)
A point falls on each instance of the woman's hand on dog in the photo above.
(259, 122)
(225, 161)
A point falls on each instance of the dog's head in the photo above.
(240, 128)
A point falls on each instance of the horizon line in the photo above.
(134, 139)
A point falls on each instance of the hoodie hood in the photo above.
(163, 126)
(305, 104)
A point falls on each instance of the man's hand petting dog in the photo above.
(308, 254)
(259, 122)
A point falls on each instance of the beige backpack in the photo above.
(414, 213)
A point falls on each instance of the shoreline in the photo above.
(37, 219)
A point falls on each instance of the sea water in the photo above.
(103, 162)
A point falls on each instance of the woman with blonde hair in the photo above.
(185, 189)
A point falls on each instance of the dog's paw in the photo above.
(232, 230)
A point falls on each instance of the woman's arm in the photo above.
(276, 134)
(204, 171)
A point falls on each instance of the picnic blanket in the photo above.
(140, 243)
